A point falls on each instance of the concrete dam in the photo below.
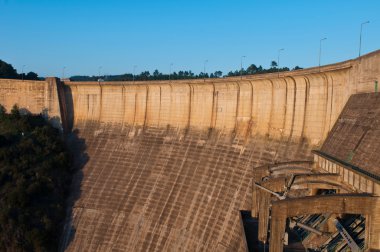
(169, 165)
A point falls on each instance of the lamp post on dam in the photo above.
(360, 37)
(278, 61)
(241, 67)
(320, 53)
(204, 70)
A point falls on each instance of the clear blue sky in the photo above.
(82, 35)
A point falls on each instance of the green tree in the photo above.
(273, 64)
(31, 76)
(15, 112)
(218, 74)
(156, 73)
(252, 69)
(3, 111)
(144, 75)
(7, 71)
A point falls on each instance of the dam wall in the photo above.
(36, 97)
(169, 165)
(292, 105)
(295, 105)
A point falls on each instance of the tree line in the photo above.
(253, 69)
(180, 75)
(146, 75)
(8, 72)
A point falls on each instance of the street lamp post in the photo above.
(170, 72)
(204, 70)
(241, 67)
(22, 72)
(278, 61)
(133, 76)
(360, 38)
(320, 52)
(99, 71)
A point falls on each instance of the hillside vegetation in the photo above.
(34, 179)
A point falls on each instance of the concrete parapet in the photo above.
(355, 138)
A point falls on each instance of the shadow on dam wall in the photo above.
(68, 107)
(79, 157)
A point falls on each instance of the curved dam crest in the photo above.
(279, 107)
(170, 164)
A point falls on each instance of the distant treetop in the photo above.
(180, 75)
(8, 72)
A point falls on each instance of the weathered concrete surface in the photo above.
(355, 138)
(32, 96)
(170, 163)
(166, 190)
(298, 105)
